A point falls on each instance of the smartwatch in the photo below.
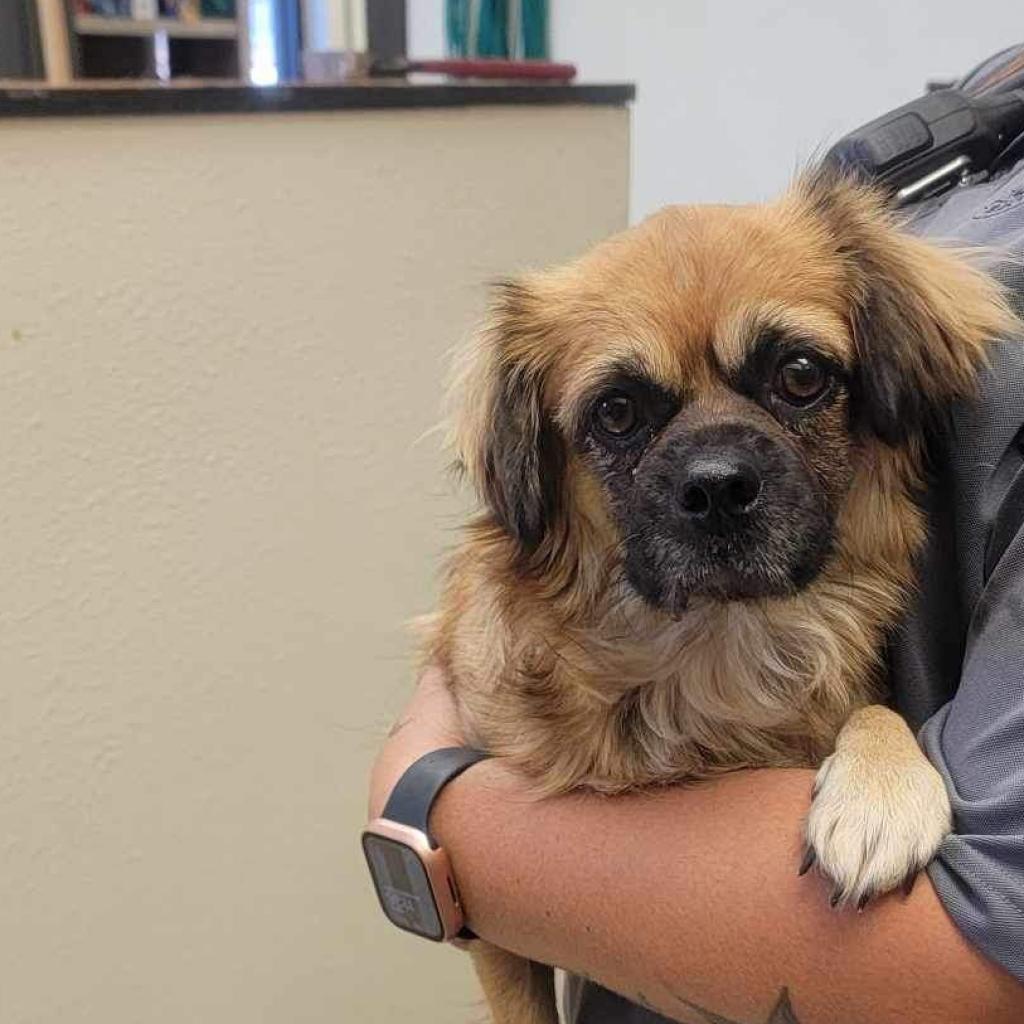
(411, 873)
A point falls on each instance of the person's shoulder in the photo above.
(984, 424)
(988, 216)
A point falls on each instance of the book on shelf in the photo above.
(148, 10)
(189, 10)
(105, 8)
(217, 8)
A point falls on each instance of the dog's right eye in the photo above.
(801, 381)
(616, 415)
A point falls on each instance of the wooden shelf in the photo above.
(160, 48)
(205, 28)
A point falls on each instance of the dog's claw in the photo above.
(908, 882)
(863, 900)
(837, 895)
(808, 862)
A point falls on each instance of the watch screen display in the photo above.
(402, 886)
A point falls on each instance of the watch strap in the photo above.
(421, 784)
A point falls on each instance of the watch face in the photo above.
(402, 886)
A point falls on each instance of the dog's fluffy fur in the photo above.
(588, 650)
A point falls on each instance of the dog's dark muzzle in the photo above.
(715, 482)
(725, 510)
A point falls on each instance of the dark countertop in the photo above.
(91, 99)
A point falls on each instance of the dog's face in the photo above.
(695, 396)
(725, 485)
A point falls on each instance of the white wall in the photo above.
(732, 95)
(221, 340)
(425, 27)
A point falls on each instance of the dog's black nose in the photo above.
(718, 490)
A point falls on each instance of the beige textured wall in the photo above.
(220, 339)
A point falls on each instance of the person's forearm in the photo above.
(688, 900)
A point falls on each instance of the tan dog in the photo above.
(698, 447)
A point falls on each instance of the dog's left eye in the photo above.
(616, 414)
(801, 380)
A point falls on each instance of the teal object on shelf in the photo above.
(492, 29)
(456, 27)
(533, 29)
(497, 28)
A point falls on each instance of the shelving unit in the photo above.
(206, 28)
(158, 48)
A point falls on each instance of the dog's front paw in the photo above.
(879, 812)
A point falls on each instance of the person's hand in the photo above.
(429, 721)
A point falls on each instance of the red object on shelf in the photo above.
(481, 67)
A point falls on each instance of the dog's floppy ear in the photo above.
(920, 313)
(504, 439)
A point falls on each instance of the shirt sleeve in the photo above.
(977, 742)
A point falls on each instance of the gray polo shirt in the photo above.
(957, 662)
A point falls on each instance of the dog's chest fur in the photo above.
(633, 698)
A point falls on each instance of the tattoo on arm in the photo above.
(782, 1012)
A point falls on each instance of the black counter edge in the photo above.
(33, 100)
